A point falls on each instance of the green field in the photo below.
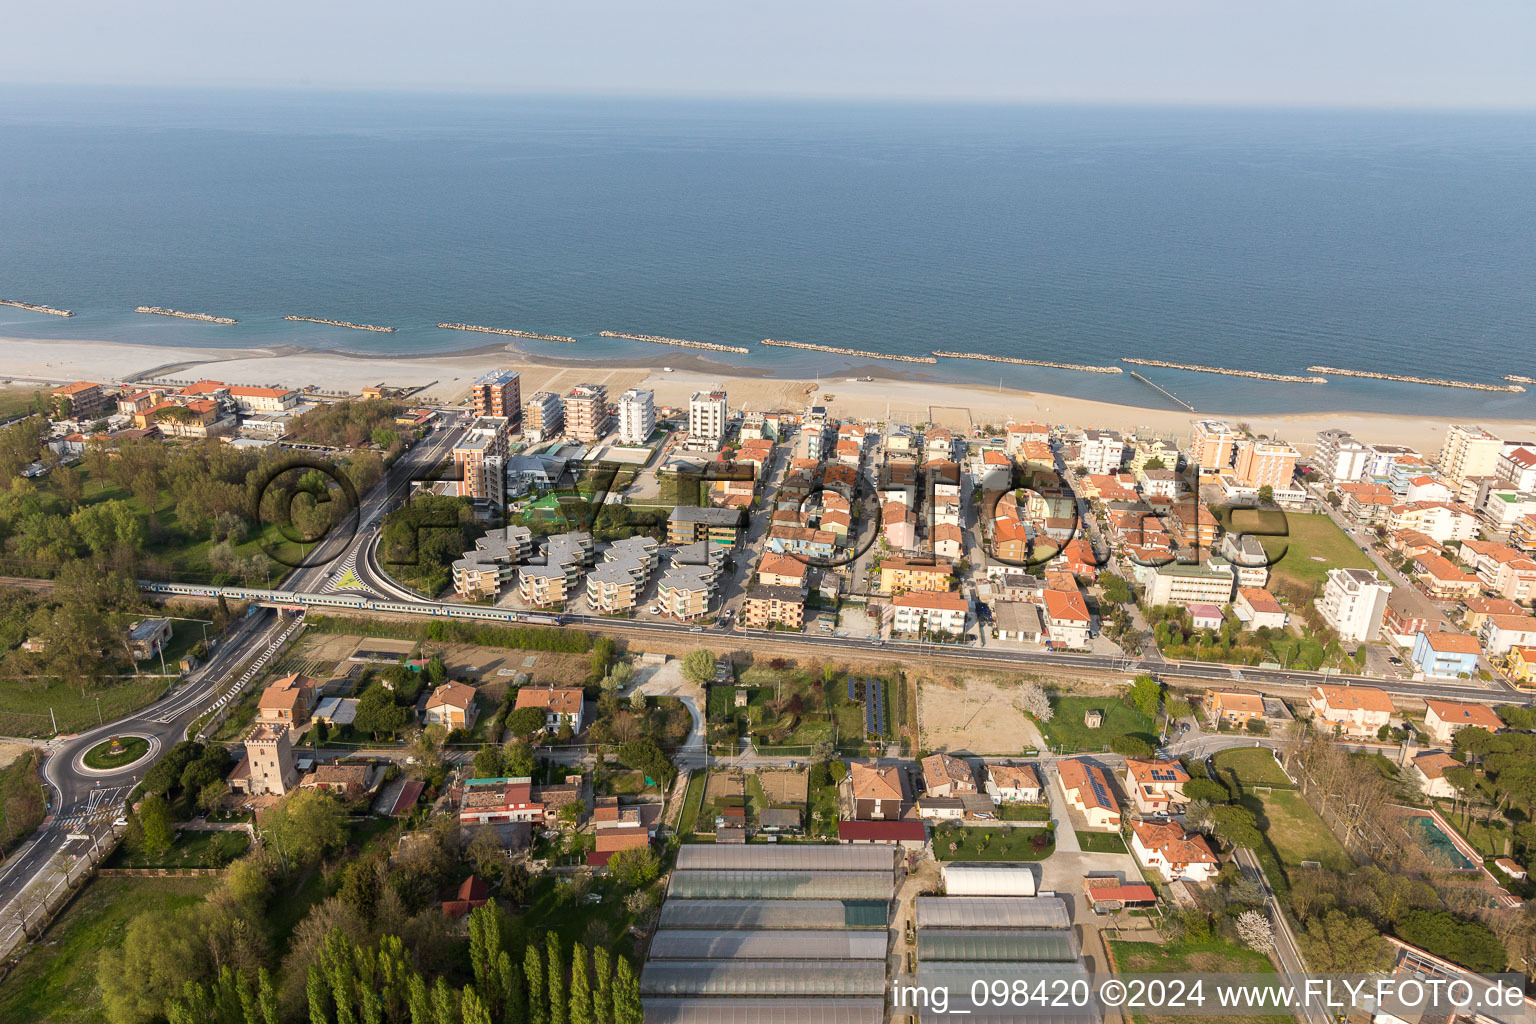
(1100, 842)
(989, 843)
(1253, 766)
(688, 820)
(1193, 959)
(1067, 733)
(16, 400)
(1024, 812)
(1304, 539)
(199, 849)
(27, 705)
(1298, 834)
(55, 983)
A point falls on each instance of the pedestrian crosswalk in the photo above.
(102, 806)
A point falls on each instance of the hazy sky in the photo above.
(1438, 53)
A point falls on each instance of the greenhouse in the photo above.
(992, 912)
(763, 978)
(996, 879)
(789, 857)
(782, 885)
(784, 944)
(764, 1011)
(1070, 980)
(995, 944)
(768, 914)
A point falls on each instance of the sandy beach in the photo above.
(890, 396)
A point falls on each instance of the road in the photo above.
(1286, 949)
(83, 804)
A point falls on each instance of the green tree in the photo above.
(159, 834)
(603, 652)
(1340, 943)
(488, 763)
(533, 976)
(306, 826)
(378, 714)
(635, 867)
(699, 666)
(524, 722)
(517, 759)
(626, 995)
(1145, 694)
(1116, 589)
(581, 988)
(602, 986)
(1266, 495)
(559, 1008)
(1237, 826)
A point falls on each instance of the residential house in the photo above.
(452, 705)
(948, 541)
(1429, 771)
(1353, 710)
(499, 801)
(562, 705)
(1156, 786)
(1500, 633)
(929, 611)
(1352, 603)
(1087, 788)
(1185, 583)
(1442, 580)
(1446, 655)
(1013, 784)
(765, 607)
(1204, 616)
(689, 524)
(1173, 853)
(899, 575)
(1520, 666)
(1443, 719)
(287, 701)
(1235, 707)
(1019, 621)
(1408, 614)
(945, 775)
(874, 792)
(1068, 622)
(781, 571)
(347, 781)
(1257, 608)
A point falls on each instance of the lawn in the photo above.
(1067, 733)
(1024, 812)
(1252, 766)
(1101, 842)
(1298, 834)
(27, 706)
(990, 843)
(192, 849)
(688, 821)
(1193, 959)
(103, 757)
(16, 400)
(55, 983)
(1302, 540)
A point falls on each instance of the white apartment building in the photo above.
(1516, 469)
(1179, 583)
(1468, 451)
(1102, 451)
(543, 417)
(637, 415)
(1340, 458)
(929, 610)
(1382, 457)
(1352, 602)
(706, 417)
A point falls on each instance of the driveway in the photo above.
(668, 681)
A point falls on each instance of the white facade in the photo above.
(1339, 457)
(1352, 603)
(1102, 451)
(637, 415)
(706, 416)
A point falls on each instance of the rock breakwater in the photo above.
(508, 332)
(1082, 367)
(860, 352)
(204, 317)
(341, 323)
(1403, 378)
(32, 308)
(1283, 378)
(656, 339)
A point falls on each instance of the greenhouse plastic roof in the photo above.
(764, 1011)
(994, 944)
(763, 978)
(992, 912)
(958, 977)
(803, 885)
(784, 944)
(790, 857)
(997, 879)
(764, 914)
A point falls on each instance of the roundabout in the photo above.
(117, 754)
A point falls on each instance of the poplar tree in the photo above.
(533, 974)
(420, 1001)
(445, 1003)
(319, 996)
(626, 995)
(473, 1010)
(602, 986)
(558, 1007)
(581, 990)
(266, 998)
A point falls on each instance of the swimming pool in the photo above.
(1442, 851)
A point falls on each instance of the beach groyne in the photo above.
(657, 339)
(1282, 378)
(1516, 378)
(179, 314)
(341, 323)
(983, 357)
(1403, 378)
(34, 308)
(860, 352)
(508, 332)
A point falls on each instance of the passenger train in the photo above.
(288, 600)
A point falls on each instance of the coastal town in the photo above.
(793, 714)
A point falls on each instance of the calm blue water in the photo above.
(1261, 240)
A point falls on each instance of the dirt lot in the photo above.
(787, 787)
(976, 712)
(11, 751)
(724, 784)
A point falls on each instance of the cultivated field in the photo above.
(979, 715)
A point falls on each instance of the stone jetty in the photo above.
(158, 311)
(1516, 378)
(341, 323)
(657, 339)
(1403, 378)
(1283, 378)
(983, 357)
(860, 352)
(29, 307)
(508, 332)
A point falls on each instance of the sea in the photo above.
(1268, 240)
